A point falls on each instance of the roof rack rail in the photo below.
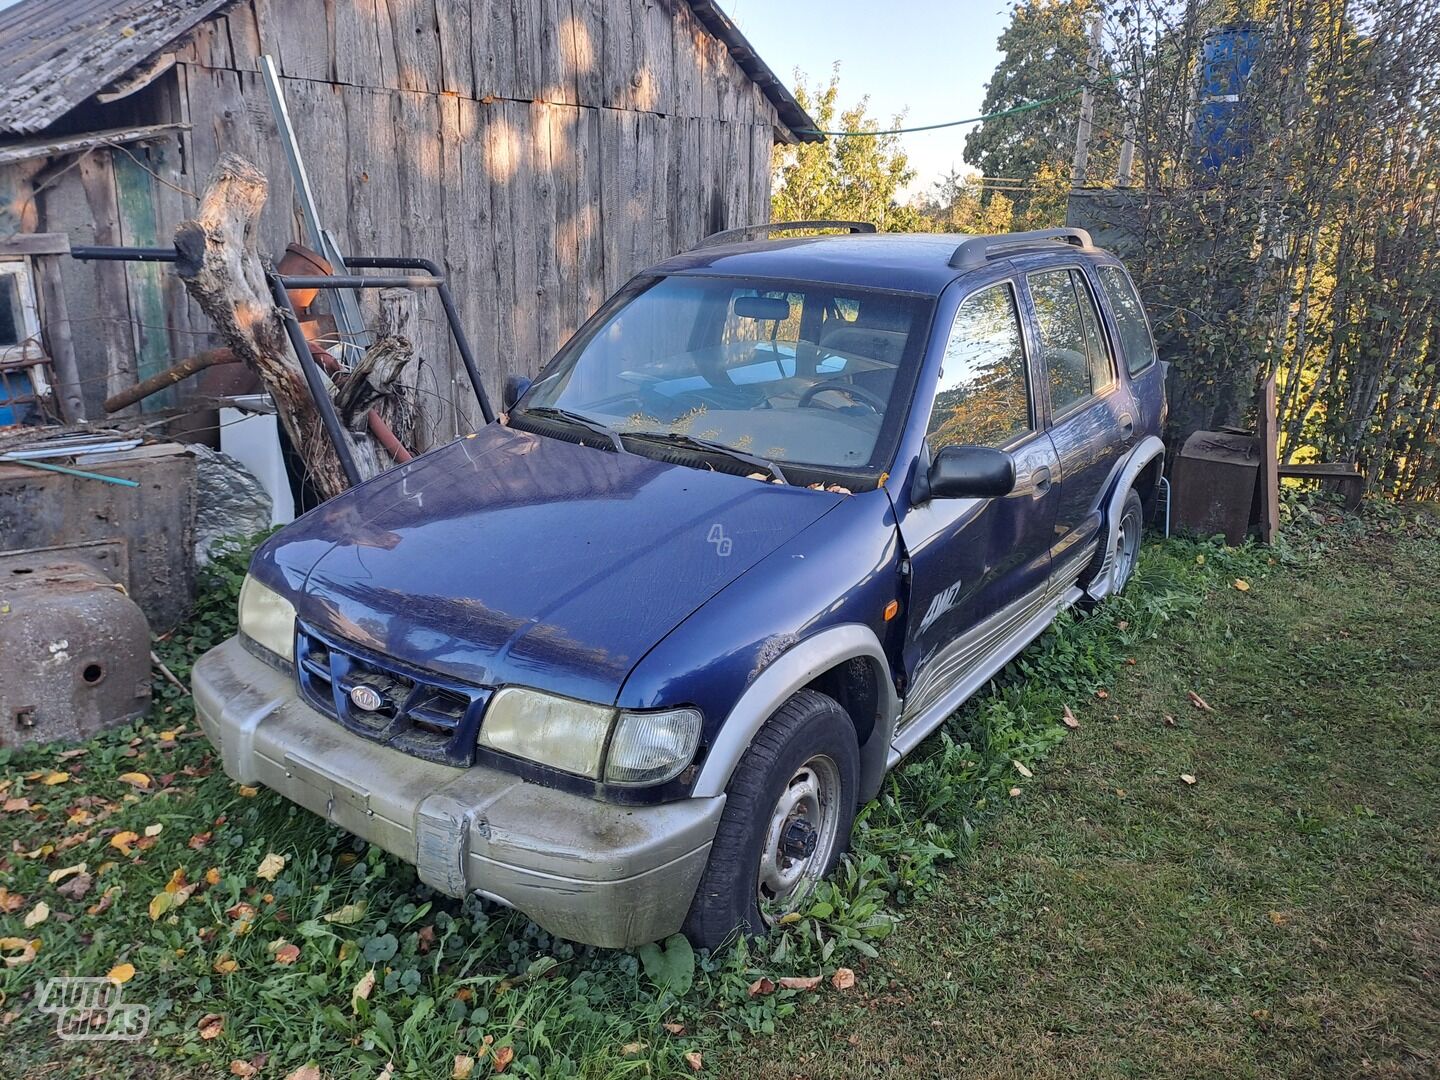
(755, 232)
(979, 250)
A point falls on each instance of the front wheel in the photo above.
(787, 818)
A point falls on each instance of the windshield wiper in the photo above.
(577, 419)
(694, 442)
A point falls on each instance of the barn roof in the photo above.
(54, 54)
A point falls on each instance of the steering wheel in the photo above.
(850, 390)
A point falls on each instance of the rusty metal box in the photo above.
(1215, 482)
(155, 521)
(74, 651)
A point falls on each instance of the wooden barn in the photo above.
(540, 150)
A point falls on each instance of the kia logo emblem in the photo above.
(366, 698)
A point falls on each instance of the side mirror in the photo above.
(965, 472)
(515, 387)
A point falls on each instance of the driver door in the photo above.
(978, 566)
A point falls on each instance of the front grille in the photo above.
(419, 712)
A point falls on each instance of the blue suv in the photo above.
(629, 658)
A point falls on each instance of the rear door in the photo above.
(1092, 416)
(974, 560)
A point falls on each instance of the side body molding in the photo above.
(1146, 451)
(791, 671)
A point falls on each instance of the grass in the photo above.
(1278, 917)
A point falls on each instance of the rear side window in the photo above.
(1135, 336)
(1076, 359)
(983, 396)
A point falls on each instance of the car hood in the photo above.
(507, 557)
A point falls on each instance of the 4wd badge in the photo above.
(366, 698)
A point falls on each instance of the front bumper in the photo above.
(585, 870)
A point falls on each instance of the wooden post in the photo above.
(221, 267)
(1079, 168)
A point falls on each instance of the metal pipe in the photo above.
(107, 253)
(359, 281)
(163, 380)
(386, 436)
(315, 380)
(452, 316)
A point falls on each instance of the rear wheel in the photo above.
(1127, 543)
(787, 818)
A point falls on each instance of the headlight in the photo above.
(267, 618)
(652, 747)
(645, 747)
(555, 731)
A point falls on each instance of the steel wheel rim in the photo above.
(812, 797)
(1127, 547)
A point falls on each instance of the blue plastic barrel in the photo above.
(1224, 123)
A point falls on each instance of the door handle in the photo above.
(1040, 479)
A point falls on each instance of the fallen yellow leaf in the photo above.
(17, 951)
(57, 876)
(242, 1069)
(121, 973)
(463, 1067)
(247, 792)
(226, 966)
(309, 1071)
(210, 1025)
(502, 1057)
(843, 979)
(135, 779)
(1187, 778)
(287, 954)
(1022, 769)
(1068, 718)
(121, 841)
(1014, 793)
(362, 989)
(51, 779)
(212, 876)
(269, 866)
(1242, 584)
(694, 1060)
(160, 903)
(154, 830)
(38, 914)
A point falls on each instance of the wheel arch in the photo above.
(1143, 465)
(844, 662)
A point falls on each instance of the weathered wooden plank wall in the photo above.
(541, 150)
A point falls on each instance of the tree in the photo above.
(843, 178)
(1044, 52)
(957, 203)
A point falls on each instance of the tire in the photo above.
(1122, 566)
(1127, 543)
(810, 735)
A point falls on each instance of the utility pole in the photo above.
(1079, 167)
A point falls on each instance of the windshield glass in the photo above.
(784, 371)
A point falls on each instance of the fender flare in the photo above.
(790, 672)
(1146, 451)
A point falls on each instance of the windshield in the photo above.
(783, 371)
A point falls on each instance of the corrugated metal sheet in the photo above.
(56, 53)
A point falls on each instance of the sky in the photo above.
(929, 58)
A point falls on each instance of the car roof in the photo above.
(906, 262)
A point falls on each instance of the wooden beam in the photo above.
(35, 243)
(51, 146)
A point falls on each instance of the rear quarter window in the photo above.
(1135, 339)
